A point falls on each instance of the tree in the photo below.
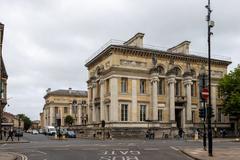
(69, 120)
(26, 120)
(230, 88)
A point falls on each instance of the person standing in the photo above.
(10, 134)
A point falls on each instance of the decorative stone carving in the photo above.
(132, 63)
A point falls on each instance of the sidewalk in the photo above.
(7, 156)
(218, 154)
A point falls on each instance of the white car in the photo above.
(34, 131)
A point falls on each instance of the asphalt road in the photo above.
(44, 148)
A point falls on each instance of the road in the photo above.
(44, 148)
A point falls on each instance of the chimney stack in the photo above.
(135, 41)
(180, 48)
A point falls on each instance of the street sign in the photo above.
(205, 93)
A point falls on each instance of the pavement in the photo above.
(219, 153)
(7, 156)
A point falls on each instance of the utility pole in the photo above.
(209, 108)
(1, 100)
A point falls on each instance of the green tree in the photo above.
(230, 88)
(26, 120)
(69, 120)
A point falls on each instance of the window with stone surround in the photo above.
(124, 85)
(143, 112)
(161, 86)
(65, 109)
(160, 114)
(107, 86)
(124, 112)
(194, 89)
(193, 116)
(178, 88)
(219, 115)
(142, 86)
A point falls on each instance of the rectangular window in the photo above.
(161, 86)
(219, 93)
(124, 85)
(193, 89)
(65, 109)
(56, 110)
(108, 113)
(178, 88)
(142, 112)
(124, 112)
(219, 114)
(160, 115)
(193, 116)
(107, 86)
(142, 86)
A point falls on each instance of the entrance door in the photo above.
(178, 117)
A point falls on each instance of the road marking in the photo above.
(174, 148)
(3, 145)
(41, 152)
(151, 149)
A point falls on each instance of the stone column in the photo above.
(214, 100)
(93, 102)
(62, 117)
(79, 114)
(134, 100)
(171, 83)
(51, 115)
(114, 99)
(154, 82)
(102, 105)
(188, 82)
(89, 104)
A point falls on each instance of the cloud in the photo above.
(47, 42)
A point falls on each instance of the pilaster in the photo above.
(93, 102)
(187, 83)
(114, 99)
(134, 100)
(102, 105)
(171, 83)
(154, 82)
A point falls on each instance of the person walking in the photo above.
(10, 134)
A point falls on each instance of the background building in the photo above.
(132, 86)
(3, 79)
(11, 121)
(60, 103)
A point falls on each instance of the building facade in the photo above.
(3, 78)
(131, 86)
(11, 121)
(60, 103)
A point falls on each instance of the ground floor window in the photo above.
(142, 112)
(107, 114)
(193, 116)
(124, 112)
(160, 115)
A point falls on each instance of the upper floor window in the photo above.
(124, 112)
(220, 115)
(56, 110)
(142, 112)
(65, 109)
(178, 88)
(160, 115)
(161, 86)
(107, 86)
(142, 86)
(124, 85)
(194, 89)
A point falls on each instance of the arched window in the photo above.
(177, 71)
(160, 70)
(193, 73)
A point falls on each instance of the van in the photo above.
(50, 130)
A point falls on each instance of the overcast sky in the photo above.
(46, 42)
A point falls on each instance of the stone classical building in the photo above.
(132, 86)
(11, 121)
(60, 103)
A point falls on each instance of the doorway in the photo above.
(178, 117)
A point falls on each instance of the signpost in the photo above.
(205, 93)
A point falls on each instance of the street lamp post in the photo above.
(209, 108)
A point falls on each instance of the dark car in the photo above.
(18, 133)
(70, 134)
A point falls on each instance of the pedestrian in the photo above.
(180, 132)
(10, 134)
(4, 133)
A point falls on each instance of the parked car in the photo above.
(50, 130)
(70, 134)
(41, 131)
(34, 131)
(18, 133)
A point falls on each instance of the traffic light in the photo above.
(210, 112)
(202, 113)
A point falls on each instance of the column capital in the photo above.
(171, 79)
(188, 80)
(101, 81)
(154, 79)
